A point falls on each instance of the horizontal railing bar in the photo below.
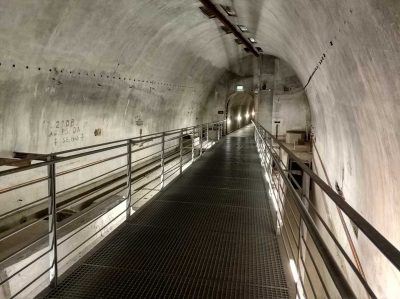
(35, 203)
(83, 214)
(57, 160)
(89, 180)
(12, 255)
(80, 196)
(144, 158)
(315, 267)
(66, 158)
(147, 183)
(157, 178)
(25, 266)
(176, 170)
(19, 209)
(140, 198)
(287, 236)
(146, 147)
(25, 184)
(23, 228)
(134, 138)
(103, 227)
(30, 283)
(61, 173)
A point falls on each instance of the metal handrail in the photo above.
(266, 140)
(115, 145)
(151, 170)
(333, 268)
(384, 246)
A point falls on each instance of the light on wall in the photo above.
(239, 118)
(253, 40)
(253, 113)
(247, 116)
(296, 278)
(239, 88)
(228, 121)
(293, 268)
(243, 28)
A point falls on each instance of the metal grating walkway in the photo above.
(208, 235)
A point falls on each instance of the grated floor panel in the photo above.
(209, 235)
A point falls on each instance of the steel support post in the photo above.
(162, 159)
(201, 139)
(180, 152)
(129, 178)
(193, 137)
(51, 169)
(207, 135)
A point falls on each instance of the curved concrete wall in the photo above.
(71, 68)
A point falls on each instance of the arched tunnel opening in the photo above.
(240, 111)
(158, 126)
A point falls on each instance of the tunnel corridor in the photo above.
(206, 148)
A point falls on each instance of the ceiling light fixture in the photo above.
(243, 28)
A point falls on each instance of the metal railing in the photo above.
(76, 197)
(319, 262)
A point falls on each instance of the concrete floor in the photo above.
(209, 234)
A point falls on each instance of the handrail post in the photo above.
(193, 137)
(180, 151)
(162, 159)
(207, 135)
(201, 139)
(129, 178)
(51, 169)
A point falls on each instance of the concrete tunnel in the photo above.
(322, 77)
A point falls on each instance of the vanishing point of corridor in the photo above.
(208, 235)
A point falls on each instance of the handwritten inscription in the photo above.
(64, 131)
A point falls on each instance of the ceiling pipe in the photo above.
(225, 21)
